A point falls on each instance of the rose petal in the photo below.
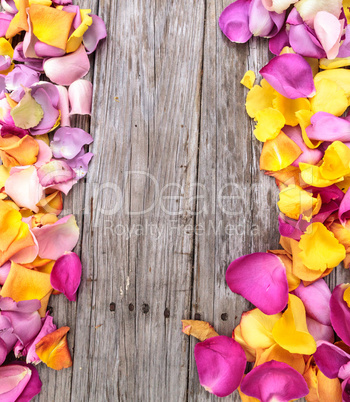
(66, 275)
(234, 21)
(318, 331)
(54, 240)
(330, 358)
(67, 69)
(80, 97)
(201, 330)
(290, 75)
(63, 105)
(68, 142)
(340, 313)
(274, 381)
(260, 278)
(329, 31)
(220, 363)
(94, 34)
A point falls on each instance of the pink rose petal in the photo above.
(96, 32)
(329, 31)
(290, 75)
(33, 386)
(68, 142)
(66, 275)
(24, 188)
(69, 68)
(261, 279)
(318, 331)
(63, 105)
(234, 21)
(316, 299)
(327, 127)
(220, 363)
(274, 381)
(80, 97)
(54, 240)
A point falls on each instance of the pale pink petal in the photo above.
(24, 188)
(9, 6)
(316, 299)
(80, 97)
(329, 358)
(234, 21)
(68, 142)
(261, 279)
(96, 32)
(44, 155)
(63, 105)
(220, 363)
(274, 381)
(329, 31)
(54, 240)
(55, 172)
(290, 75)
(69, 68)
(66, 275)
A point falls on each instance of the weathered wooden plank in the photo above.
(241, 215)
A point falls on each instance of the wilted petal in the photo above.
(340, 313)
(28, 113)
(261, 279)
(330, 358)
(201, 330)
(94, 34)
(234, 21)
(54, 240)
(67, 69)
(274, 381)
(291, 331)
(329, 31)
(316, 299)
(47, 327)
(220, 363)
(54, 173)
(290, 75)
(24, 188)
(66, 275)
(53, 349)
(68, 142)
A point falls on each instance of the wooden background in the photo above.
(172, 139)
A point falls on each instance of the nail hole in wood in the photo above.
(145, 308)
(224, 316)
(166, 313)
(197, 316)
(131, 307)
(112, 307)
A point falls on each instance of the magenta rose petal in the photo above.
(329, 358)
(234, 21)
(274, 381)
(340, 313)
(290, 75)
(66, 275)
(220, 363)
(261, 279)
(34, 384)
(327, 127)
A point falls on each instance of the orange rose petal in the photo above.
(52, 203)
(53, 349)
(19, 22)
(16, 151)
(50, 25)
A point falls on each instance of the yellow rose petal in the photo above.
(336, 161)
(248, 79)
(259, 98)
(304, 120)
(76, 38)
(320, 248)
(330, 98)
(340, 76)
(269, 124)
(256, 328)
(289, 107)
(312, 175)
(279, 153)
(291, 332)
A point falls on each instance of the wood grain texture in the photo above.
(173, 195)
